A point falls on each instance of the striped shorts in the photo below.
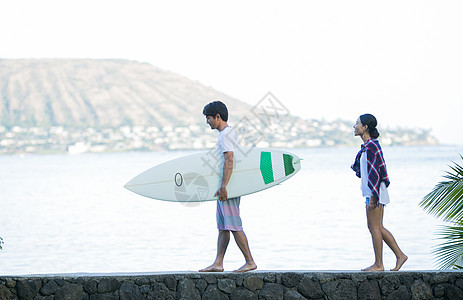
(228, 215)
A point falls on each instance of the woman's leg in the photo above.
(374, 217)
(389, 239)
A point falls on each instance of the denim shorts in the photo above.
(367, 201)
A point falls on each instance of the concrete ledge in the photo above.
(253, 285)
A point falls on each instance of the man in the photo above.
(228, 214)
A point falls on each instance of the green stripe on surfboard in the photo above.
(288, 160)
(266, 167)
(274, 165)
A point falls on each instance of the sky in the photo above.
(399, 60)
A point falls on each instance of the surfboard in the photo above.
(197, 177)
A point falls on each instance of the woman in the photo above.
(371, 168)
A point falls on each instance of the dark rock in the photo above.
(355, 277)
(389, 284)
(420, 290)
(201, 284)
(340, 289)
(293, 295)
(142, 281)
(187, 290)
(399, 294)
(155, 280)
(439, 278)
(70, 292)
(374, 275)
(49, 288)
(90, 286)
(144, 289)
(129, 291)
(171, 283)
(10, 283)
(272, 291)
(425, 277)
(253, 283)
(310, 288)
(60, 281)
(226, 285)
(103, 297)
(213, 293)
(160, 291)
(28, 289)
(452, 292)
(342, 275)
(239, 279)
(270, 278)
(243, 294)
(369, 290)
(6, 294)
(291, 280)
(439, 290)
(325, 277)
(210, 278)
(459, 283)
(108, 285)
(406, 280)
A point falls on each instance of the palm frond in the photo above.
(446, 199)
(450, 253)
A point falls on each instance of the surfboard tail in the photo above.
(276, 165)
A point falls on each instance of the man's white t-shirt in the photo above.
(228, 141)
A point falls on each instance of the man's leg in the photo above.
(222, 244)
(242, 242)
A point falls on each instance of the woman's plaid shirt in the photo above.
(376, 166)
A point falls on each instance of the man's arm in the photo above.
(227, 172)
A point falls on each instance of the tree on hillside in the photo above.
(446, 201)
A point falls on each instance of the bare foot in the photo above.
(247, 267)
(400, 261)
(212, 268)
(373, 268)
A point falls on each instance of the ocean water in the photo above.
(71, 214)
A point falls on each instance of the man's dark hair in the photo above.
(214, 108)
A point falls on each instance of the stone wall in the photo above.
(253, 285)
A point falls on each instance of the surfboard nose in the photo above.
(129, 185)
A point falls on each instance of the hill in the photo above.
(54, 105)
(100, 93)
